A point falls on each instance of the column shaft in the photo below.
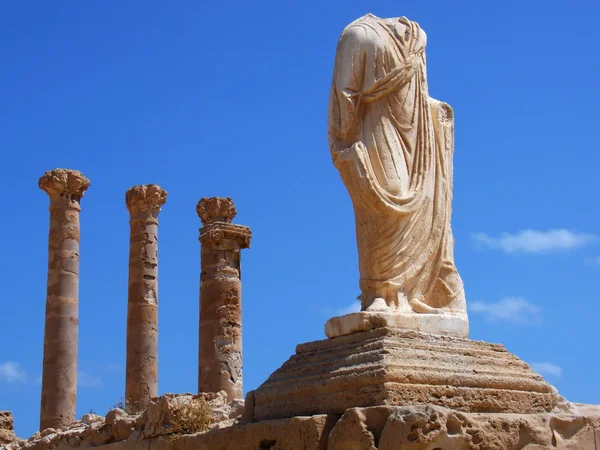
(141, 382)
(59, 373)
(220, 352)
(59, 378)
(142, 316)
(220, 332)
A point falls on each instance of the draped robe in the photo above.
(393, 147)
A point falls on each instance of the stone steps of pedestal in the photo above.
(395, 367)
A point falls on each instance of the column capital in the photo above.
(144, 201)
(215, 209)
(225, 236)
(66, 184)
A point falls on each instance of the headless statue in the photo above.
(393, 146)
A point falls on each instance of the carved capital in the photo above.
(145, 201)
(65, 184)
(225, 236)
(215, 209)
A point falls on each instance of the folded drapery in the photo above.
(393, 146)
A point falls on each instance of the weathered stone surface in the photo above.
(160, 417)
(399, 367)
(59, 374)
(144, 204)
(115, 414)
(423, 427)
(90, 418)
(7, 433)
(431, 427)
(123, 427)
(220, 347)
(441, 323)
(393, 146)
(216, 209)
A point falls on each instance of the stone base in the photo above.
(422, 427)
(445, 324)
(398, 367)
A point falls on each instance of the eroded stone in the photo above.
(144, 204)
(220, 346)
(65, 189)
(390, 366)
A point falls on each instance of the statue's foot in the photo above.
(419, 307)
(378, 304)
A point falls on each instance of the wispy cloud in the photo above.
(84, 379)
(12, 372)
(536, 241)
(511, 309)
(546, 368)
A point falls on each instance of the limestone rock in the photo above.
(398, 367)
(236, 408)
(7, 434)
(431, 427)
(123, 427)
(420, 427)
(98, 433)
(114, 415)
(6, 420)
(301, 433)
(88, 419)
(48, 432)
(164, 412)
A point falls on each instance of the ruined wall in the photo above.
(381, 427)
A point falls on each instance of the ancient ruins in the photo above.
(399, 374)
(141, 378)
(220, 344)
(59, 374)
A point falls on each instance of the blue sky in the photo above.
(230, 99)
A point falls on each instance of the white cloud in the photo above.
(535, 241)
(511, 309)
(84, 379)
(12, 372)
(546, 368)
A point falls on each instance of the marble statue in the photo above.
(393, 146)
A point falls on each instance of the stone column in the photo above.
(143, 203)
(59, 373)
(220, 348)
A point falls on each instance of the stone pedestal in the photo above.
(444, 323)
(143, 203)
(395, 368)
(59, 374)
(220, 347)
